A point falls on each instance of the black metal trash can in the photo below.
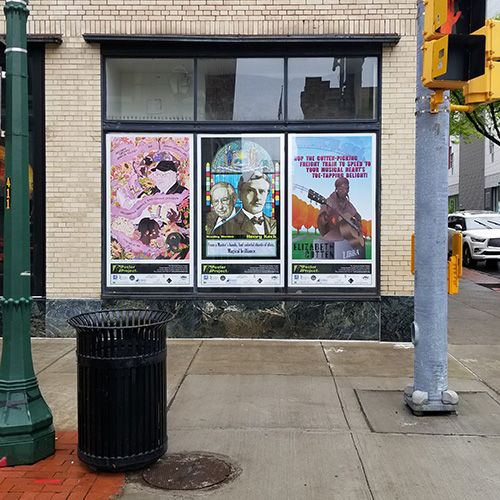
(122, 401)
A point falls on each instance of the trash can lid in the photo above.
(120, 318)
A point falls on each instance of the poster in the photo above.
(241, 214)
(149, 210)
(332, 186)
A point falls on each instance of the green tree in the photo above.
(483, 121)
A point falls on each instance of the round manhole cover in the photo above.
(190, 471)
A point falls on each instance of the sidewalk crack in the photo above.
(55, 361)
(184, 376)
(351, 433)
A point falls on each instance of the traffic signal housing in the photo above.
(456, 250)
(453, 49)
(486, 88)
(453, 275)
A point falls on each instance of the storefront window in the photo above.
(332, 88)
(241, 189)
(150, 89)
(36, 169)
(240, 89)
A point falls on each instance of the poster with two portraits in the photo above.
(236, 229)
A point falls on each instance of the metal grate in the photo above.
(190, 471)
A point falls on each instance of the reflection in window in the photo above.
(240, 89)
(150, 89)
(332, 88)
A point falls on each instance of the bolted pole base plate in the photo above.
(420, 405)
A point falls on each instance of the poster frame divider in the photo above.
(284, 192)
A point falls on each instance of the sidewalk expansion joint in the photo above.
(497, 393)
(358, 453)
(56, 360)
(184, 376)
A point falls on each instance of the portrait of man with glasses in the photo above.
(223, 201)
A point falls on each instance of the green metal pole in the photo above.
(26, 430)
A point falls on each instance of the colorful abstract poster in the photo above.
(332, 188)
(149, 188)
(240, 216)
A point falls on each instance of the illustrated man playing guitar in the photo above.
(338, 219)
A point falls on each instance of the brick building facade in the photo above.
(75, 180)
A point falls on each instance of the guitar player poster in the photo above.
(332, 186)
(240, 228)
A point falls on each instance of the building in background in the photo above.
(453, 175)
(474, 175)
(474, 167)
(492, 176)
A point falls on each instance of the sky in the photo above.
(492, 8)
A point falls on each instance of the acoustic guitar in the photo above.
(347, 225)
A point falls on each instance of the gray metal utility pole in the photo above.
(429, 392)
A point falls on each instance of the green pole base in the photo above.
(27, 449)
(26, 431)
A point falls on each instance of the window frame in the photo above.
(247, 48)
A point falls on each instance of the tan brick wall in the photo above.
(397, 166)
(73, 177)
(74, 126)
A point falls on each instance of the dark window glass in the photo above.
(240, 89)
(332, 88)
(36, 169)
(150, 89)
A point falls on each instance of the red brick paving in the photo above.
(61, 476)
(482, 278)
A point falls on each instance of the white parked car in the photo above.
(480, 235)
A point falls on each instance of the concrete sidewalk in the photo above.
(323, 420)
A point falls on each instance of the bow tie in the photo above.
(257, 220)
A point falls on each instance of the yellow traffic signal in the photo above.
(456, 250)
(453, 277)
(453, 49)
(412, 256)
(437, 73)
(486, 88)
(436, 14)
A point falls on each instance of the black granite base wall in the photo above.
(386, 318)
(396, 317)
